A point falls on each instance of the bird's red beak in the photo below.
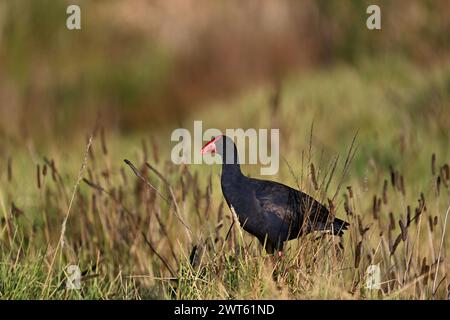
(210, 147)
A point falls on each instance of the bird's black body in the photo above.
(271, 211)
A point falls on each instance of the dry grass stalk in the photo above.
(61, 242)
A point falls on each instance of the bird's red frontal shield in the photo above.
(210, 146)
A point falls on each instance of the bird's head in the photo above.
(213, 146)
(223, 146)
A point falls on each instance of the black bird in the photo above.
(272, 212)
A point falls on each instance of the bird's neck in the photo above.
(231, 170)
(230, 162)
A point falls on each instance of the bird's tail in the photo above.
(339, 226)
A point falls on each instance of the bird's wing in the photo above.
(290, 205)
(274, 198)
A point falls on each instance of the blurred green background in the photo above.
(149, 64)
